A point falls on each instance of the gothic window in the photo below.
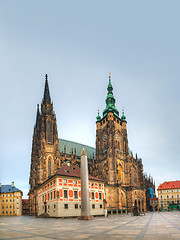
(49, 167)
(49, 127)
(49, 138)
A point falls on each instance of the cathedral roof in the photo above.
(73, 171)
(9, 189)
(77, 148)
(169, 185)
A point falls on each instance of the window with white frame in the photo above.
(65, 194)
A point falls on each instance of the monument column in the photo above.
(85, 204)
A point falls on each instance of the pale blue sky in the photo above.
(77, 43)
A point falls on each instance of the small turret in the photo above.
(123, 117)
(98, 117)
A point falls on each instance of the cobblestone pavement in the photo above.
(164, 225)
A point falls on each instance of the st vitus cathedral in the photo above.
(111, 161)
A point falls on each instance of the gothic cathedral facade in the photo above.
(111, 161)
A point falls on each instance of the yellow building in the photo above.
(10, 200)
(169, 195)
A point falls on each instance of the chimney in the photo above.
(12, 184)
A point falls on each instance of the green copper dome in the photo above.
(98, 117)
(123, 117)
(110, 101)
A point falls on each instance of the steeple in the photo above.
(46, 98)
(110, 100)
(37, 115)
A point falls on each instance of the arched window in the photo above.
(49, 167)
(49, 132)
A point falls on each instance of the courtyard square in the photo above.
(158, 225)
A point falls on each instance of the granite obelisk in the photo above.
(85, 204)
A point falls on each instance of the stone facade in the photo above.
(45, 157)
(25, 207)
(111, 161)
(153, 204)
(149, 184)
(115, 163)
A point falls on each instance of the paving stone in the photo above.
(163, 225)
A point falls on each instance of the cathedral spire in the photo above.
(46, 98)
(37, 115)
(110, 100)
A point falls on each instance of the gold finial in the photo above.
(109, 74)
(83, 152)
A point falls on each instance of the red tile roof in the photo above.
(155, 198)
(73, 171)
(169, 185)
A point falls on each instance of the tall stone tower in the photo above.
(45, 157)
(111, 142)
(115, 163)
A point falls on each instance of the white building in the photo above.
(60, 195)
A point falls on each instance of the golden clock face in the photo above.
(117, 137)
(105, 137)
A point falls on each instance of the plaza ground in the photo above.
(158, 225)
